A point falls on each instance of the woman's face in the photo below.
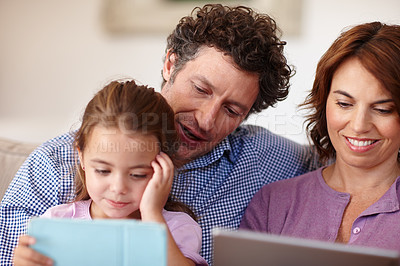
(362, 120)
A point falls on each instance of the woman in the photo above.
(354, 119)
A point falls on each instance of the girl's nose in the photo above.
(118, 184)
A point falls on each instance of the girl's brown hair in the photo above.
(377, 47)
(130, 108)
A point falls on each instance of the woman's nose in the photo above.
(361, 121)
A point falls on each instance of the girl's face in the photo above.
(363, 123)
(117, 169)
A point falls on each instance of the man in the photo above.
(222, 64)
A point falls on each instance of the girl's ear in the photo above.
(80, 154)
(169, 65)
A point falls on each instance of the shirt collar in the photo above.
(224, 147)
(389, 202)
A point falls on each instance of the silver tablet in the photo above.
(244, 248)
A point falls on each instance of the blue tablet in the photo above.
(100, 242)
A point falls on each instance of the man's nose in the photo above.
(208, 115)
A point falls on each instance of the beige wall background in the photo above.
(55, 54)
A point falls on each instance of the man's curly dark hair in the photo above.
(250, 38)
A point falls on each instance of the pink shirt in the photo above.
(185, 231)
(306, 207)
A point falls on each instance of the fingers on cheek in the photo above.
(156, 166)
(166, 161)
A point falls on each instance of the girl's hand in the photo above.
(153, 200)
(156, 193)
(24, 255)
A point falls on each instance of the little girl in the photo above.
(123, 173)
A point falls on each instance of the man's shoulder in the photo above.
(64, 140)
(60, 145)
(57, 154)
(276, 156)
(261, 137)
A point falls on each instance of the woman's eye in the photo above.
(101, 171)
(343, 104)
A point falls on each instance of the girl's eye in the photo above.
(139, 175)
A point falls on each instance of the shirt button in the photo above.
(356, 230)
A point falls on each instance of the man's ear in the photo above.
(169, 65)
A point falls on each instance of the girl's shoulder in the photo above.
(178, 219)
(78, 209)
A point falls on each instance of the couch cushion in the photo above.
(12, 155)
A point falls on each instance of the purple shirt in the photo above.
(185, 231)
(306, 207)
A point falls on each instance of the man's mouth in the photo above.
(189, 134)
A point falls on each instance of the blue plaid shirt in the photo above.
(217, 186)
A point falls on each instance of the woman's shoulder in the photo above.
(289, 188)
(298, 181)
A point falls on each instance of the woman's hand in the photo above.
(156, 193)
(25, 255)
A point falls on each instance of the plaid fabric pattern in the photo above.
(217, 186)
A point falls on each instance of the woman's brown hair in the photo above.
(130, 108)
(377, 47)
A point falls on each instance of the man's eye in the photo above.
(231, 112)
(199, 90)
(384, 111)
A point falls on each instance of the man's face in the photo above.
(210, 97)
